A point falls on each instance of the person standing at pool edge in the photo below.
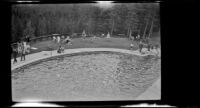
(23, 51)
(19, 48)
(14, 54)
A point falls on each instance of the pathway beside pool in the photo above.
(154, 92)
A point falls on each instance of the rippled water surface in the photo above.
(86, 76)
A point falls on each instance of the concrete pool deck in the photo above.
(154, 92)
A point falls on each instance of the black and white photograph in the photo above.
(102, 51)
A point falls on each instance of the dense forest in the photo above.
(124, 18)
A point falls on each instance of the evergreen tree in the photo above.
(29, 30)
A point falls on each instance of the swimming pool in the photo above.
(90, 76)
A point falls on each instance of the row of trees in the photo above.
(42, 19)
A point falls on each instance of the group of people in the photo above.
(62, 41)
(142, 43)
(56, 39)
(61, 49)
(20, 48)
(145, 43)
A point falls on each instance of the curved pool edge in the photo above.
(48, 54)
(153, 92)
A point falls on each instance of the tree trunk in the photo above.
(145, 29)
(112, 28)
(151, 29)
(128, 32)
(132, 28)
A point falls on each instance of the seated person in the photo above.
(59, 49)
(62, 49)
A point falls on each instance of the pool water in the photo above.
(86, 76)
